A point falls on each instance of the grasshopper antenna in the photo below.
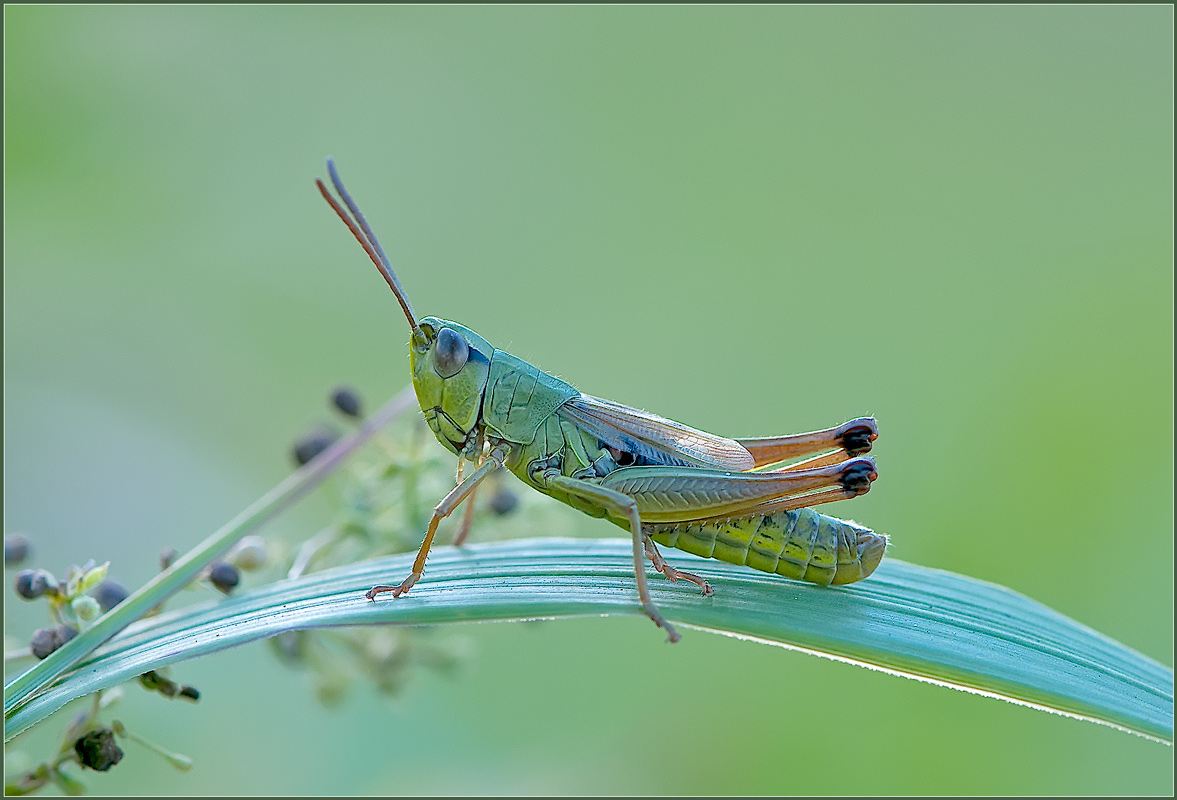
(367, 239)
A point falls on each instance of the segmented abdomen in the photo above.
(800, 544)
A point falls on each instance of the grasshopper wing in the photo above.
(656, 438)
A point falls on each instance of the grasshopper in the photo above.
(658, 479)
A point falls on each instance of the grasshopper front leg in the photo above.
(446, 507)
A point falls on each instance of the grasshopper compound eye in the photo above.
(450, 353)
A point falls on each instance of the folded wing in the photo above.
(655, 437)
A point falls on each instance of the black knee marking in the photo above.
(857, 477)
(857, 440)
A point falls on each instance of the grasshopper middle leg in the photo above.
(467, 519)
(670, 572)
(468, 515)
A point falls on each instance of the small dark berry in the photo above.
(347, 401)
(97, 750)
(224, 576)
(16, 549)
(312, 444)
(63, 633)
(24, 585)
(44, 582)
(167, 556)
(43, 642)
(189, 693)
(504, 501)
(110, 593)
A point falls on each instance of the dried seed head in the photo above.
(17, 548)
(97, 750)
(312, 444)
(224, 576)
(347, 401)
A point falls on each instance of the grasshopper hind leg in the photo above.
(848, 440)
(623, 507)
(858, 439)
(670, 572)
(856, 477)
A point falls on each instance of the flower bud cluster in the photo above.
(75, 602)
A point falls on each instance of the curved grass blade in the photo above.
(184, 570)
(908, 620)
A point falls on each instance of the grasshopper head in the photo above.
(450, 365)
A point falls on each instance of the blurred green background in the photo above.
(756, 220)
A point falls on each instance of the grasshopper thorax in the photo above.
(450, 365)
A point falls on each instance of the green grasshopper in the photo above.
(659, 479)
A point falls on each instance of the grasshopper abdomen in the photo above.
(800, 544)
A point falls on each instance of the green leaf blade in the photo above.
(908, 620)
